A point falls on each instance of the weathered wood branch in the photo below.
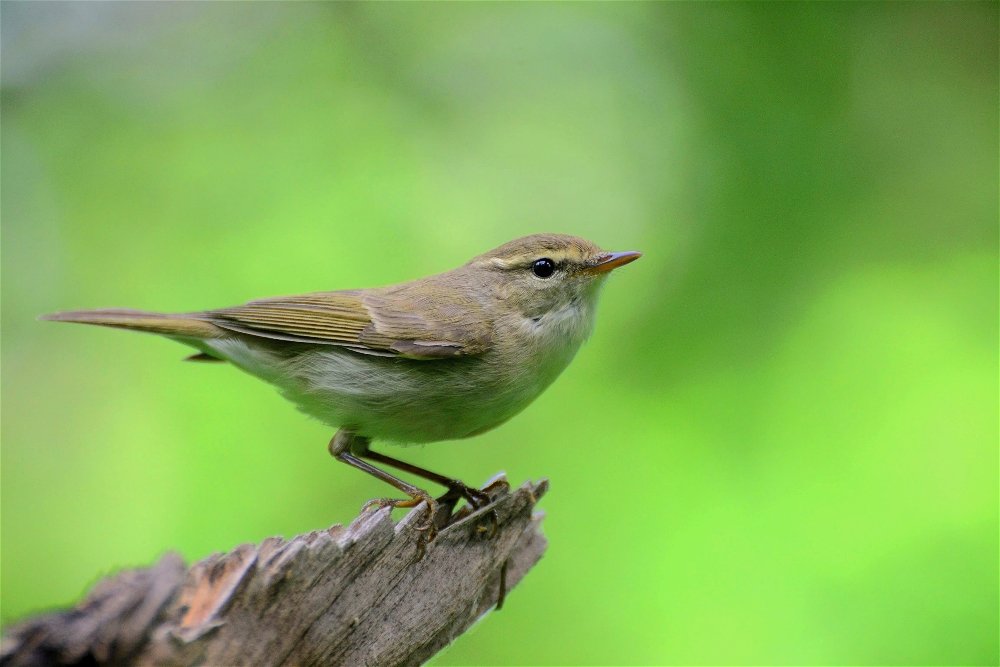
(359, 595)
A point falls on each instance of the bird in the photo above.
(445, 357)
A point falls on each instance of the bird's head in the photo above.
(547, 274)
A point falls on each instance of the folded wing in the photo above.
(395, 321)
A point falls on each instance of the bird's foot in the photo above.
(476, 499)
(426, 528)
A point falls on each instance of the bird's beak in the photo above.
(612, 260)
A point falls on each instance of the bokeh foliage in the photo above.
(780, 445)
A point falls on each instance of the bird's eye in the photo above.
(543, 268)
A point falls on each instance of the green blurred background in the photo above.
(781, 444)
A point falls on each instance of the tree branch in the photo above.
(346, 596)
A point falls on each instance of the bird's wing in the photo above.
(394, 322)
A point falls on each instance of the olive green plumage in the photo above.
(442, 357)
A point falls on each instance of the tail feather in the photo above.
(181, 326)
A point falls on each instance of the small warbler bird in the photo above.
(440, 358)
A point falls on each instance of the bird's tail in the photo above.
(180, 326)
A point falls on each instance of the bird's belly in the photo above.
(405, 400)
(397, 399)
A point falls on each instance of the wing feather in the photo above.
(406, 320)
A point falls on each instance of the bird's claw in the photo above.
(425, 526)
(380, 503)
(482, 499)
(440, 512)
(477, 499)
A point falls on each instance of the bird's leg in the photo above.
(474, 497)
(349, 447)
(456, 488)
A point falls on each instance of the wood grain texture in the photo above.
(342, 596)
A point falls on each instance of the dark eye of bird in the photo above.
(543, 268)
